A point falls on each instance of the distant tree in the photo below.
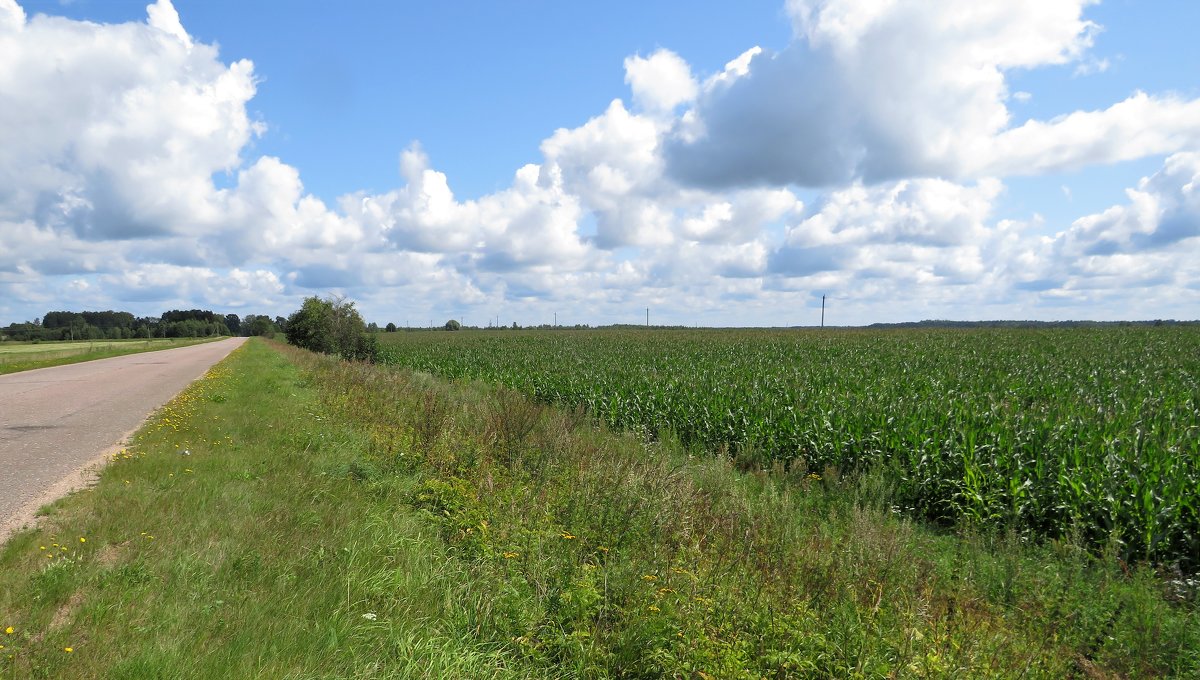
(234, 323)
(372, 327)
(260, 326)
(452, 325)
(390, 328)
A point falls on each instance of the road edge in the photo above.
(86, 475)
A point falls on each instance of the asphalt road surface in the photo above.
(55, 423)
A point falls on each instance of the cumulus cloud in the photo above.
(661, 81)
(118, 135)
(875, 91)
(684, 196)
(912, 232)
(1140, 126)
(1163, 212)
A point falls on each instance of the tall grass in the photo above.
(605, 555)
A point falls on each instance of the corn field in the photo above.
(1087, 433)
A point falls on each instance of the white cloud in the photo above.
(1140, 126)
(884, 90)
(661, 81)
(1092, 67)
(684, 199)
(918, 232)
(1163, 212)
(116, 130)
(162, 15)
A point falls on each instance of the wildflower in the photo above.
(370, 616)
(510, 555)
(653, 608)
(602, 549)
(649, 577)
(68, 650)
(41, 547)
(568, 535)
(82, 539)
(8, 631)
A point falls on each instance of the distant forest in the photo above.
(110, 325)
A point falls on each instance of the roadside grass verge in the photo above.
(342, 520)
(596, 554)
(229, 541)
(16, 357)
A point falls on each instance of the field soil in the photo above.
(55, 422)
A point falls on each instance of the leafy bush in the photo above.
(331, 326)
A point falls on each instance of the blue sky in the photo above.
(466, 159)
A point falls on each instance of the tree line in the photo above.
(114, 325)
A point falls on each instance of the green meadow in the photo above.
(297, 516)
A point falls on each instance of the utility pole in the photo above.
(556, 319)
(647, 317)
(822, 311)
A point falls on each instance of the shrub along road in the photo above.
(55, 421)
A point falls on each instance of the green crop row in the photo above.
(1092, 433)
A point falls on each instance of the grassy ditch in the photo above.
(341, 520)
(24, 356)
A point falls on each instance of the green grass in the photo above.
(24, 356)
(342, 520)
(1086, 432)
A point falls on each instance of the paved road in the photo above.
(55, 422)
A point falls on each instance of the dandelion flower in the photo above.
(82, 539)
(568, 535)
(649, 577)
(510, 555)
(68, 650)
(8, 631)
